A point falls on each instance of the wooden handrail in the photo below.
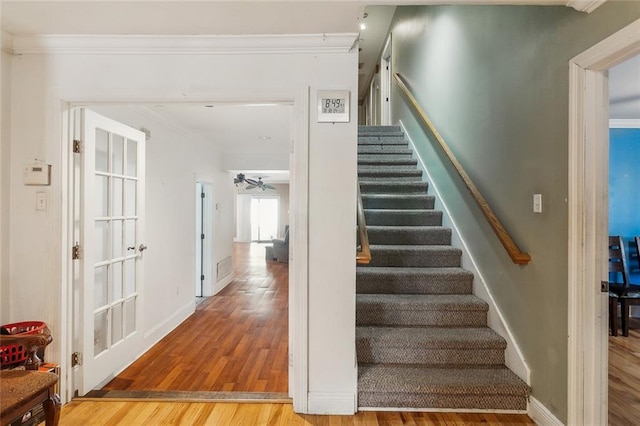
(510, 246)
(363, 254)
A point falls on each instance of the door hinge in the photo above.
(76, 359)
(604, 286)
(202, 236)
(75, 251)
(202, 195)
(77, 146)
(201, 277)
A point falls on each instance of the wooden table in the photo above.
(23, 390)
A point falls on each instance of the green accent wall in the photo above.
(495, 82)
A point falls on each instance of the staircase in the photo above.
(421, 335)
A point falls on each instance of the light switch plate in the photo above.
(537, 203)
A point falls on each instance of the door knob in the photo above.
(142, 247)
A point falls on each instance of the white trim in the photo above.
(155, 334)
(514, 359)
(220, 285)
(187, 44)
(332, 403)
(541, 414)
(585, 5)
(624, 123)
(587, 359)
(299, 256)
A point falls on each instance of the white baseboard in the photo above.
(331, 403)
(514, 358)
(154, 335)
(541, 414)
(217, 287)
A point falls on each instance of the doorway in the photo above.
(386, 74)
(300, 218)
(204, 239)
(588, 220)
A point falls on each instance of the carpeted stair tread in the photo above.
(403, 217)
(409, 235)
(377, 173)
(391, 139)
(398, 201)
(421, 380)
(431, 337)
(414, 255)
(385, 158)
(384, 149)
(381, 187)
(392, 280)
(432, 302)
(378, 129)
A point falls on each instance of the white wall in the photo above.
(5, 126)
(40, 82)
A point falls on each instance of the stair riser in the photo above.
(404, 286)
(378, 129)
(411, 400)
(390, 172)
(383, 150)
(393, 179)
(379, 158)
(393, 188)
(425, 202)
(423, 259)
(437, 236)
(429, 318)
(376, 353)
(383, 140)
(423, 218)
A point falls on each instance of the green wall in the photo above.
(495, 82)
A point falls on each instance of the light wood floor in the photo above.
(186, 414)
(624, 377)
(235, 341)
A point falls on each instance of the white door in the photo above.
(110, 205)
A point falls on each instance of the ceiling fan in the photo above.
(251, 183)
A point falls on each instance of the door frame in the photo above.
(386, 69)
(204, 249)
(62, 100)
(588, 166)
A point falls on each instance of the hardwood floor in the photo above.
(235, 341)
(185, 414)
(624, 377)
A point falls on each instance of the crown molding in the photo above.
(585, 5)
(624, 123)
(184, 45)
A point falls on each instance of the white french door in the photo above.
(109, 206)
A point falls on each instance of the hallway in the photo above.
(236, 341)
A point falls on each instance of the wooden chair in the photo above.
(621, 291)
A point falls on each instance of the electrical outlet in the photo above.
(41, 201)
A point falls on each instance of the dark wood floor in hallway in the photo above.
(235, 341)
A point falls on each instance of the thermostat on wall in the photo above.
(333, 106)
(37, 174)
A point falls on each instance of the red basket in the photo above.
(16, 354)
